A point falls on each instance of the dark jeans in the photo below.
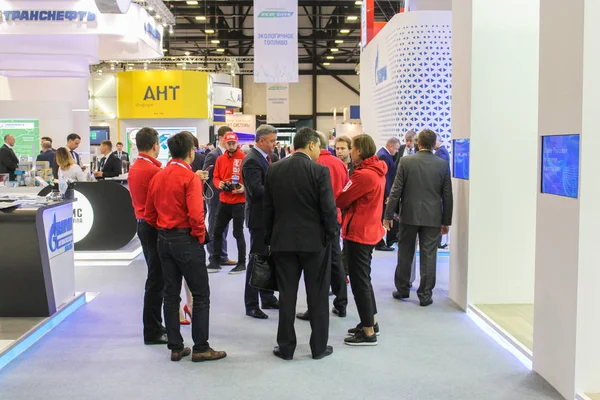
(225, 213)
(212, 219)
(257, 249)
(428, 242)
(183, 256)
(317, 274)
(153, 291)
(338, 275)
(359, 265)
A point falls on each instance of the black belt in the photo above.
(176, 230)
(141, 220)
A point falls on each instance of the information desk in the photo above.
(37, 269)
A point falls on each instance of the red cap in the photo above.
(231, 137)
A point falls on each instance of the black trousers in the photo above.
(317, 274)
(183, 256)
(338, 275)
(257, 249)
(345, 257)
(225, 213)
(359, 266)
(382, 242)
(212, 219)
(153, 291)
(428, 242)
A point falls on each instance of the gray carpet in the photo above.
(423, 353)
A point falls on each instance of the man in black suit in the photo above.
(301, 224)
(73, 141)
(121, 155)
(110, 165)
(442, 152)
(422, 194)
(387, 154)
(408, 147)
(9, 161)
(214, 201)
(199, 157)
(254, 170)
(47, 154)
(46, 139)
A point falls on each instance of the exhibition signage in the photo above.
(367, 22)
(278, 103)
(47, 15)
(227, 96)
(83, 217)
(58, 227)
(162, 94)
(242, 123)
(275, 41)
(26, 133)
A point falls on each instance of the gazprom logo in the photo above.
(61, 234)
(380, 73)
(152, 31)
(275, 14)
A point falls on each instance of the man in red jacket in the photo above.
(339, 178)
(174, 206)
(227, 176)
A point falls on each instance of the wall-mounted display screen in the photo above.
(560, 165)
(99, 134)
(163, 133)
(27, 136)
(460, 158)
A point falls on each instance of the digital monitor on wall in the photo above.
(460, 158)
(164, 135)
(560, 165)
(99, 134)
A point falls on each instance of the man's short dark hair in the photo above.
(223, 130)
(106, 143)
(344, 139)
(305, 136)
(180, 145)
(73, 136)
(264, 130)
(427, 139)
(196, 142)
(47, 139)
(46, 145)
(146, 138)
(365, 146)
(119, 143)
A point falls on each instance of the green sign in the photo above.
(26, 133)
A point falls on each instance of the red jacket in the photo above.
(140, 174)
(338, 173)
(225, 168)
(175, 199)
(362, 199)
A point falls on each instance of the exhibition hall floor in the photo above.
(423, 353)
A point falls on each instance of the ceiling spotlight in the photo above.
(130, 64)
(179, 64)
(165, 50)
(192, 3)
(215, 41)
(344, 31)
(352, 18)
(99, 72)
(358, 2)
(220, 50)
(201, 18)
(158, 17)
(339, 41)
(334, 50)
(326, 63)
(150, 8)
(228, 63)
(209, 31)
(184, 66)
(171, 31)
(187, 53)
(112, 67)
(131, 68)
(330, 57)
(145, 66)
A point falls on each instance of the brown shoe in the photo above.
(229, 262)
(210, 355)
(178, 355)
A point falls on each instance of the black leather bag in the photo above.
(263, 273)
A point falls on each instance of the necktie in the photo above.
(102, 162)
(74, 157)
(268, 159)
(120, 155)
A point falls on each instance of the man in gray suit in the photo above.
(422, 196)
(213, 202)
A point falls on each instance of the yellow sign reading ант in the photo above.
(162, 94)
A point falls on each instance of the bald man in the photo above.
(9, 161)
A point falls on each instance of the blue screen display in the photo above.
(460, 157)
(560, 165)
(98, 134)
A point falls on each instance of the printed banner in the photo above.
(58, 229)
(27, 136)
(275, 41)
(278, 103)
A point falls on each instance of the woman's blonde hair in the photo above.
(64, 158)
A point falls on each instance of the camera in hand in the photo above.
(230, 186)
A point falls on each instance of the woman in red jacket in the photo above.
(362, 200)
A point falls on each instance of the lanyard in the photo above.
(145, 159)
(181, 165)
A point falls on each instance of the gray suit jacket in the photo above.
(211, 159)
(422, 191)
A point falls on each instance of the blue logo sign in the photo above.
(61, 234)
(152, 31)
(380, 73)
(47, 15)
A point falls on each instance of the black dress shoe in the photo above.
(339, 312)
(160, 340)
(271, 306)
(256, 313)
(426, 302)
(328, 351)
(303, 316)
(384, 248)
(399, 295)
(279, 354)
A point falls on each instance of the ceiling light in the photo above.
(345, 31)
(150, 8)
(158, 17)
(145, 66)
(330, 57)
(179, 64)
(184, 66)
(192, 3)
(334, 50)
(228, 63)
(339, 41)
(187, 53)
(171, 31)
(112, 67)
(130, 64)
(215, 41)
(165, 50)
(131, 68)
(201, 18)
(220, 50)
(326, 63)
(209, 31)
(358, 2)
(352, 17)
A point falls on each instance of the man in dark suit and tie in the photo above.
(9, 161)
(422, 194)
(254, 170)
(73, 141)
(387, 155)
(301, 224)
(214, 201)
(110, 165)
(121, 155)
(47, 154)
(442, 152)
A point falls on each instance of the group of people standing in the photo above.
(332, 198)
